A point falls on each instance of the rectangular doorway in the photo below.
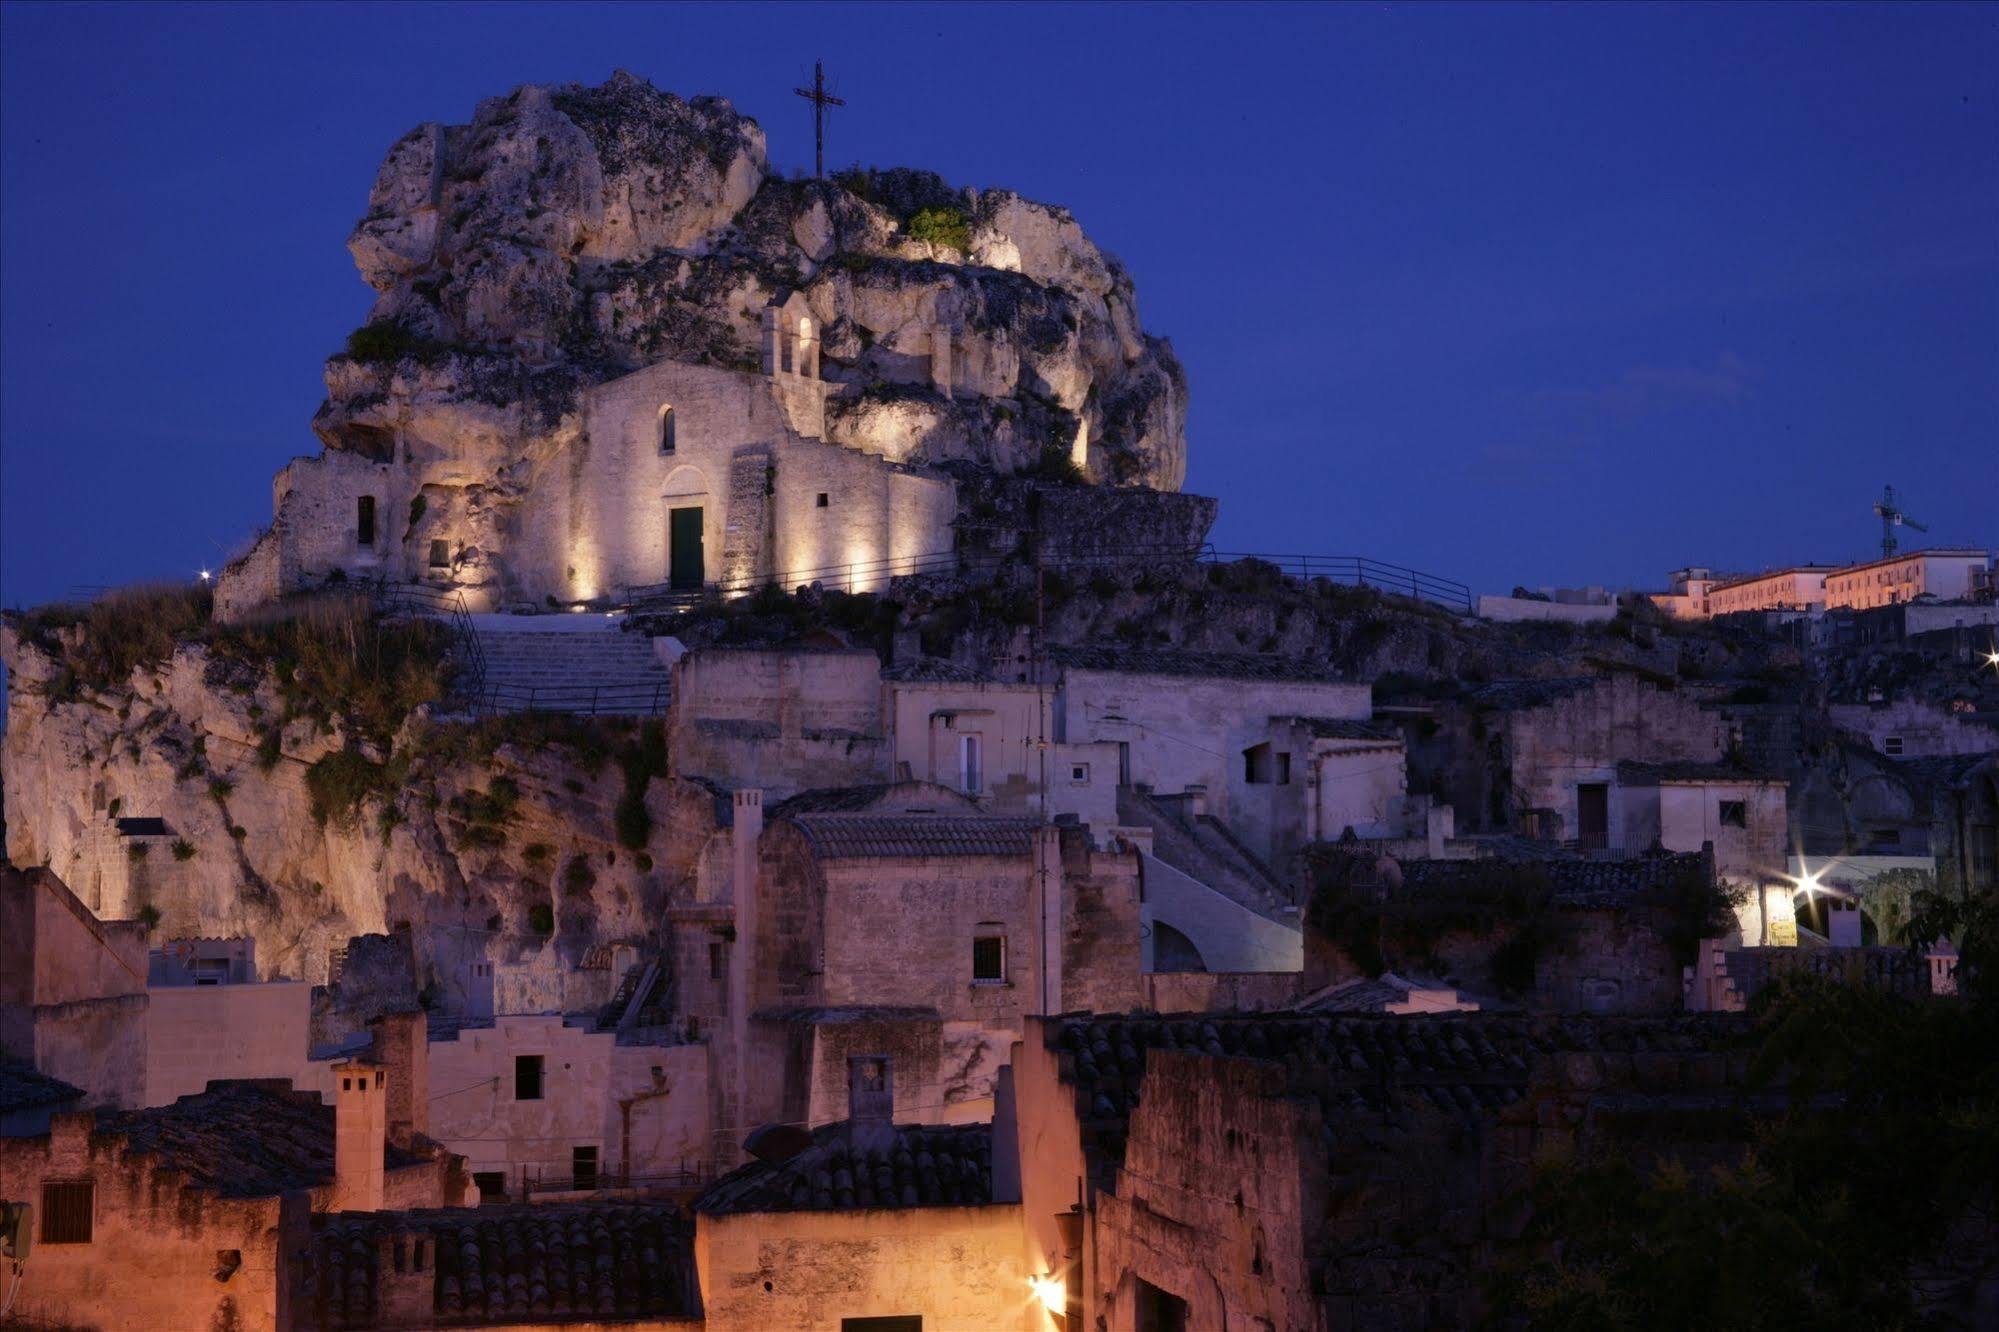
(684, 569)
(1592, 815)
(1159, 1310)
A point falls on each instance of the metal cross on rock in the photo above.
(820, 99)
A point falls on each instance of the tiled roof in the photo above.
(934, 670)
(1575, 881)
(1516, 695)
(248, 1139)
(891, 797)
(860, 836)
(1462, 1064)
(1373, 994)
(1633, 773)
(1347, 728)
(1205, 665)
(912, 1166)
(560, 1262)
(23, 1086)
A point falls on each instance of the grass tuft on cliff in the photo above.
(98, 646)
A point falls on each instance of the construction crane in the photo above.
(1892, 517)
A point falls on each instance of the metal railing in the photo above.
(447, 604)
(638, 699)
(1360, 571)
(689, 1176)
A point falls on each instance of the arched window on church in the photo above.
(666, 429)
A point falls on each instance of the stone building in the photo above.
(536, 1102)
(1802, 588)
(923, 934)
(1913, 728)
(1539, 757)
(186, 1216)
(1321, 1173)
(683, 477)
(208, 1017)
(781, 720)
(1944, 574)
(868, 1223)
(73, 998)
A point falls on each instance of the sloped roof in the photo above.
(1176, 661)
(1461, 1064)
(1574, 881)
(937, 670)
(1518, 695)
(243, 1139)
(1348, 728)
(584, 1262)
(22, 1086)
(863, 836)
(1633, 773)
(912, 1166)
(870, 795)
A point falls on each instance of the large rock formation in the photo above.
(569, 235)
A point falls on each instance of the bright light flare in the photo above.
(1807, 883)
(1992, 660)
(1050, 1291)
(206, 576)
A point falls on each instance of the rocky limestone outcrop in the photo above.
(569, 235)
(180, 796)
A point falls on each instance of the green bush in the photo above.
(385, 343)
(942, 226)
(149, 916)
(339, 783)
(183, 849)
(641, 761)
(136, 851)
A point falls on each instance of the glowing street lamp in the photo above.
(1050, 1291)
(206, 576)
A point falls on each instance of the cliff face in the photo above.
(195, 794)
(569, 235)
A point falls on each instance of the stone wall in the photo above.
(73, 996)
(960, 1269)
(781, 720)
(198, 1033)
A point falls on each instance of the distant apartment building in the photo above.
(1799, 588)
(1943, 574)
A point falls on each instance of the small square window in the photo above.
(1891, 744)
(1734, 814)
(440, 554)
(583, 1167)
(718, 960)
(822, 501)
(1079, 773)
(989, 959)
(68, 1209)
(527, 1077)
(492, 1185)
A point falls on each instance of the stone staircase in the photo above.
(596, 671)
(1202, 847)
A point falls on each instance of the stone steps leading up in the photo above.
(593, 671)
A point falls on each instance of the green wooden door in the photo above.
(684, 569)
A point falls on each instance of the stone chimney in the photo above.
(360, 1134)
(401, 1045)
(1942, 957)
(870, 1101)
(1843, 922)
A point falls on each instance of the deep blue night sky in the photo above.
(1510, 294)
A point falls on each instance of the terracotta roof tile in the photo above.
(1175, 661)
(23, 1086)
(1574, 881)
(861, 836)
(584, 1262)
(912, 1166)
(247, 1139)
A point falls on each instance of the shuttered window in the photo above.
(66, 1211)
